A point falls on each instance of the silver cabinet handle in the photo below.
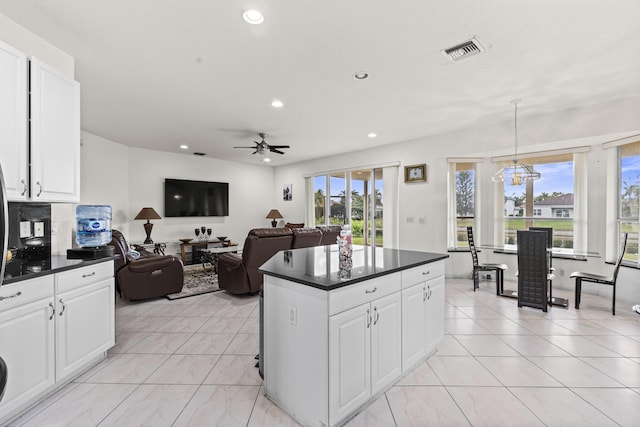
(84, 276)
(429, 289)
(17, 294)
(368, 317)
(367, 291)
(40, 187)
(64, 307)
(424, 293)
(426, 273)
(376, 316)
(24, 187)
(53, 310)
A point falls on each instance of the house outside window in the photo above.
(462, 202)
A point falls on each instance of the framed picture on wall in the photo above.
(415, 173)
(287, 192)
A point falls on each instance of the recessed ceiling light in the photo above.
(360, 75)
(253, 16)
(277, 103)
(372, 135)
(184, 147)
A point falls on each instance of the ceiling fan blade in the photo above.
(279, 146)
(273, 150)
(244, 147)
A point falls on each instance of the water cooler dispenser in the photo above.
(93, 232)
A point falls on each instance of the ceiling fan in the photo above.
(263, 148)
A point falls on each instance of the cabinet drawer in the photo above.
(422, 273)
(82, 276)
(351, 296)
(26, 291)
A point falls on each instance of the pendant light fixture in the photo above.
(519, 172)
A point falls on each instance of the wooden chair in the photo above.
(603, 280)
(477, 267)
(533, 269)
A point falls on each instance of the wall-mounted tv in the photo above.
(195, 198)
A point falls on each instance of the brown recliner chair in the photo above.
(329, 234)
(239, 274)
(150, 276)
(305, 237)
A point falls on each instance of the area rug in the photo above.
(197, 281)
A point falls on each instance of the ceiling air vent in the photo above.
(463, 50)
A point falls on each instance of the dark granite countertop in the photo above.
(22, 269)
(318, 266)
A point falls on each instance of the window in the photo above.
(629, 198)
(462, 202)
(546, 202)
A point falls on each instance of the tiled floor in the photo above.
(191, 362)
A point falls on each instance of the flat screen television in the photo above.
(184, 198)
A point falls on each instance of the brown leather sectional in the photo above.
(238, 274)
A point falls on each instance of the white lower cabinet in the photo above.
(51, 328)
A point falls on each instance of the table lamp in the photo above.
(274, 215)
(148, 213)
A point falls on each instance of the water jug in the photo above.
(93, 225)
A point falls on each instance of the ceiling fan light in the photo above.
(277, 103)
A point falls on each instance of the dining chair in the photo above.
(603, 280)
(533, 269)
(477, 267)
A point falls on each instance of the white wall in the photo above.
(585, 126)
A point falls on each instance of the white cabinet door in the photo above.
(435, 313)
(414, 325)
(349, 361)
(386, 341)
(27, 346)
(84, 326)
(55, 135)
(13, 122)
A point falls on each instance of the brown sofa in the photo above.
(238, 274)
(149, 276)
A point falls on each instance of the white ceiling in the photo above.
(160, 73)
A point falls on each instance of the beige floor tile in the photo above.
(151, 405)
(561, 407)
(485, 345)
(233, 310)
(174, 309)
(229, 325)
(421, 375)
(451, 312)
(449, 346)
(377, 414)
(629, 327)
(251, 326)
(517, 371)
(624, 346)
(217, 405)
(128, 368)
(481, 313)
(266, 414)
(160, 343)
(619, 404)
(202, 310)
(463, 326)
(424, 406)
(248, 344)
(183, 324)
(572, 372)
(623, 370)
(543, 327)
(183, 369)
(132, 309)
(41, 405)
(85, 405)
(140, 324)
(461, 371)
(503, 327)
(126, 340)
(583, 327)
(206, 344)
(492, 406)
(234, 370)
(532, 345)
(580, 346)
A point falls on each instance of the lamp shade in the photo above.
(274, 214)
(148, 213)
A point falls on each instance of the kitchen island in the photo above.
(337, 338)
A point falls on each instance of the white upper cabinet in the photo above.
(14, 146)
(55, 135)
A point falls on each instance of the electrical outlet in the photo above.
(38, 229)
(25, 229)
(293, 315)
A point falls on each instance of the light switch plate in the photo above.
(38, 229)
(25, 229)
